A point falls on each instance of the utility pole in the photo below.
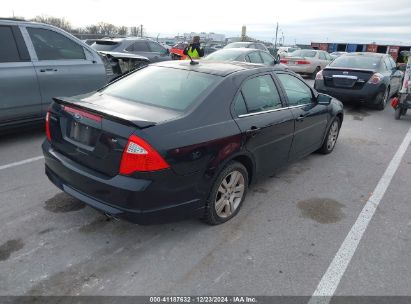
(141, 31)
(276, 34)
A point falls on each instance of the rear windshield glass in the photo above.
(223, 55)
(164, 87)
(304, 53)
(104, 45)
(357, 62)
(237, 45)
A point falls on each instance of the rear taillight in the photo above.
(140, 156)
(302, 62)
(48, 134)
(283, 61)
(376, 78)
(319, 75)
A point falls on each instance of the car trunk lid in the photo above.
(94, 131)
(346, 77)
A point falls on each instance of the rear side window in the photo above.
(261, 94)
(298, 93)
(50, 45)
(104, 45)
(267, 58)
(322, 56)
(155, 47)
(138, 46)
(163, 87)
(239, 105)
(255, 57)
(8, 49)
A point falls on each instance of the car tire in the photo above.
(330, 139)
(317, 69)
(225, 199)
(383, 99)
(398, 113)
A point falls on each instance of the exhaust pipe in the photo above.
(111, 217)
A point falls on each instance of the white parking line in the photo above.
(22, 162)
(331, 279)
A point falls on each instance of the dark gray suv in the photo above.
(154, 51)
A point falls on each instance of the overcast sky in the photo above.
(303, 21)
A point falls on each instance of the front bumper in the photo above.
(366, 95)
(151, 199)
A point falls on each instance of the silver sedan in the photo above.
(308, 62)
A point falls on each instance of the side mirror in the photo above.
(323, 99)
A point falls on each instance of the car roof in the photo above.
(216, 67)
(240, 50)
(120, 39)
(366, 54)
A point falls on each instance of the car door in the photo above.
(322, 59)
(159, 53)
(310, 117)
(20, 97)
(267, 125)
(63, 66)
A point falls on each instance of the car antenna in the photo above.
(192, 62)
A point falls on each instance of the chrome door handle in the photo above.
(300, 118)
(253, 131)
(48, 70)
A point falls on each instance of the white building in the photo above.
(206, 36)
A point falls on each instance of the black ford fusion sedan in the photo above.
(175, 140)
(367, 78)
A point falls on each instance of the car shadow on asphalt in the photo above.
(22, 133)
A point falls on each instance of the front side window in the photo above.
(50, 45)
(162, 87)
(8, 50)
(261, 94)
(298, 93)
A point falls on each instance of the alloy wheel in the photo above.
(230, 194)
(332, 135)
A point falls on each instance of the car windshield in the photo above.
(224, 55)
(163, 87)
(237, 45)
(104, 45)
(356, 62)
(303, 53)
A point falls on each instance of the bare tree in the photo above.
(59, 22)
(122, 31)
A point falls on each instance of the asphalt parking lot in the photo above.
(281, 243)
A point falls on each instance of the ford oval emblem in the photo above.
(77, 116)
(345, 73)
